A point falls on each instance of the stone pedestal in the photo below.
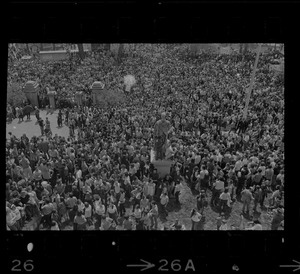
(31, 90)
(163, 166)
(51, 94)
(78, 98)
(97, 87)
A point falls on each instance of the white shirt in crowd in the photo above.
(263, 170)
(197, 159)
(219, 185)
(99, 208)
(55, 227)
(203, 173)
(196, 217)
(245, 161)
(17, 212)
(151, 188)
(164, 199)
(255, 227)
(178, 188)
(88, 212)
(138, 213)
(254, 159)
(78, 174)
(223, 227)
(112, 209)
(238, 165)
(117, 187)
(81, 207)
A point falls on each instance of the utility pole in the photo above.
(28, 49)
(120, 52)
(81, 51)
(244, 48)
(251, 83)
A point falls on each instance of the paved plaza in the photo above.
(31, 128)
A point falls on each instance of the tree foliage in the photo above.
(111, 97)
(15, 94)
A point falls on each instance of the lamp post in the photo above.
(251, 83)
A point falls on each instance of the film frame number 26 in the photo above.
(21, 266)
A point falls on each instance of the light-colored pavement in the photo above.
(31, 128)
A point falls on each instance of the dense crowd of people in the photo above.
(101, 176)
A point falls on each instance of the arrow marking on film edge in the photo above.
(145, 266)
(295, 265)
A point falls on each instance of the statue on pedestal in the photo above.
(162, 128)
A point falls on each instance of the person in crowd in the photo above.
(164, 200)
(20, 115)
(88, 213)
(218, 188)
(224, 225)
(195, 217)
(278, 217)
(219, 220)
(146, 220)
(177, 191)
(54, 226)
(154, 215)
(202, 201)
(177, 225)
(42, 125)
(11, 219)
(18, 211)
(112, 211)
(71, 204)
(59, 118)
(121, 203)
(257, 195)
(128, 224)
(80, 222)
(37, 113)
(137, 214)
(256, 225)
(25, 164)
(62, 210)
(246, 198)
(99, 211)
(47, 210)
(225, 200)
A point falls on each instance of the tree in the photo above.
(81, 51)
(15, 94)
